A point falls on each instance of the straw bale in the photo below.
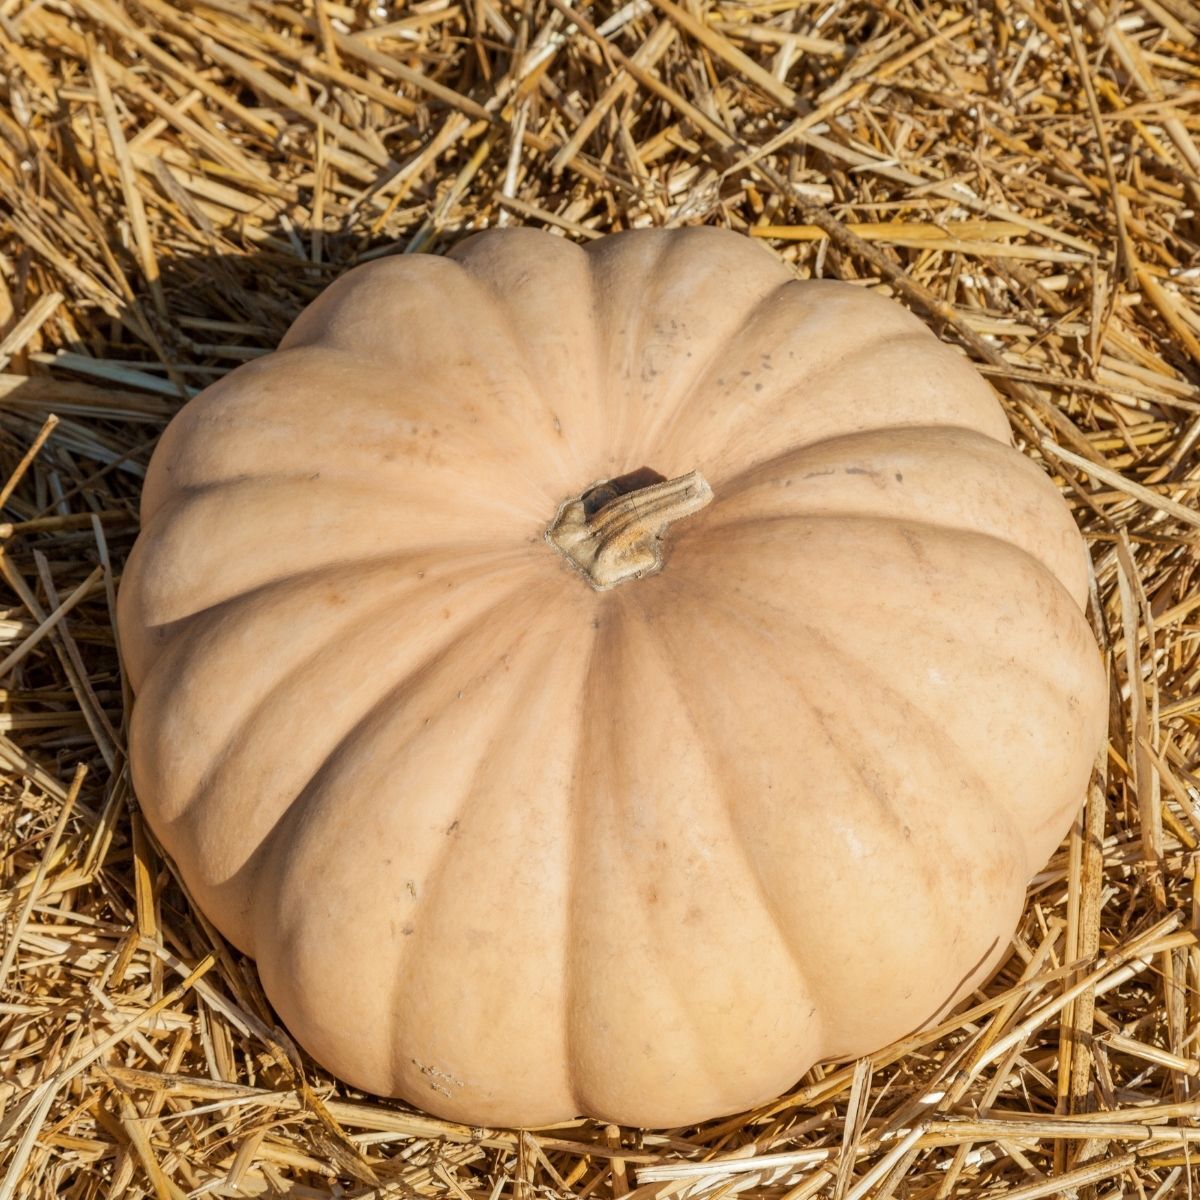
(179, 177)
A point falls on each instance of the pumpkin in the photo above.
(606, 680)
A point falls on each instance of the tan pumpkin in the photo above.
(746, 763)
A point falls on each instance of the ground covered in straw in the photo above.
(178, 179)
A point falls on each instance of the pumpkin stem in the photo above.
(614, 530)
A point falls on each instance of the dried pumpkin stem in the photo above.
(612, 533)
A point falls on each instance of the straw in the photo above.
(178, 178)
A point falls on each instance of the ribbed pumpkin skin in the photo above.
(515, 849)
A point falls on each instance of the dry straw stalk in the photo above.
(178, 178)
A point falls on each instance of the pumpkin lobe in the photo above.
(614, 530)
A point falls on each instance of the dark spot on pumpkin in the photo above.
(407, 930)
(899, 476)
(758, 387)
(452, 829)
(914, 544)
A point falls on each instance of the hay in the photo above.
(179, 179)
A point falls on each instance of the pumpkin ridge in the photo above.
(194, 812)
(618, 398)
(231, 539)
(707, 736)
(908, 469)
(506, 722)
(791, 393)
(209, 418)
(457, 643)
(747, 476)
(949, 1004)
(669, 283)
(884, 805)
(924, 719)
(826, 1001)
(329, 318)
(742, 479)
(500, 303)
(659, 432)
(349, 478)
(599, 347)
(939, 527)
(737, 611)
(167, 631)
(456, 286)
(158, 487)
(431, 582)
(1049, 683)
(601, 679)
(575, 891)
(877, 684)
